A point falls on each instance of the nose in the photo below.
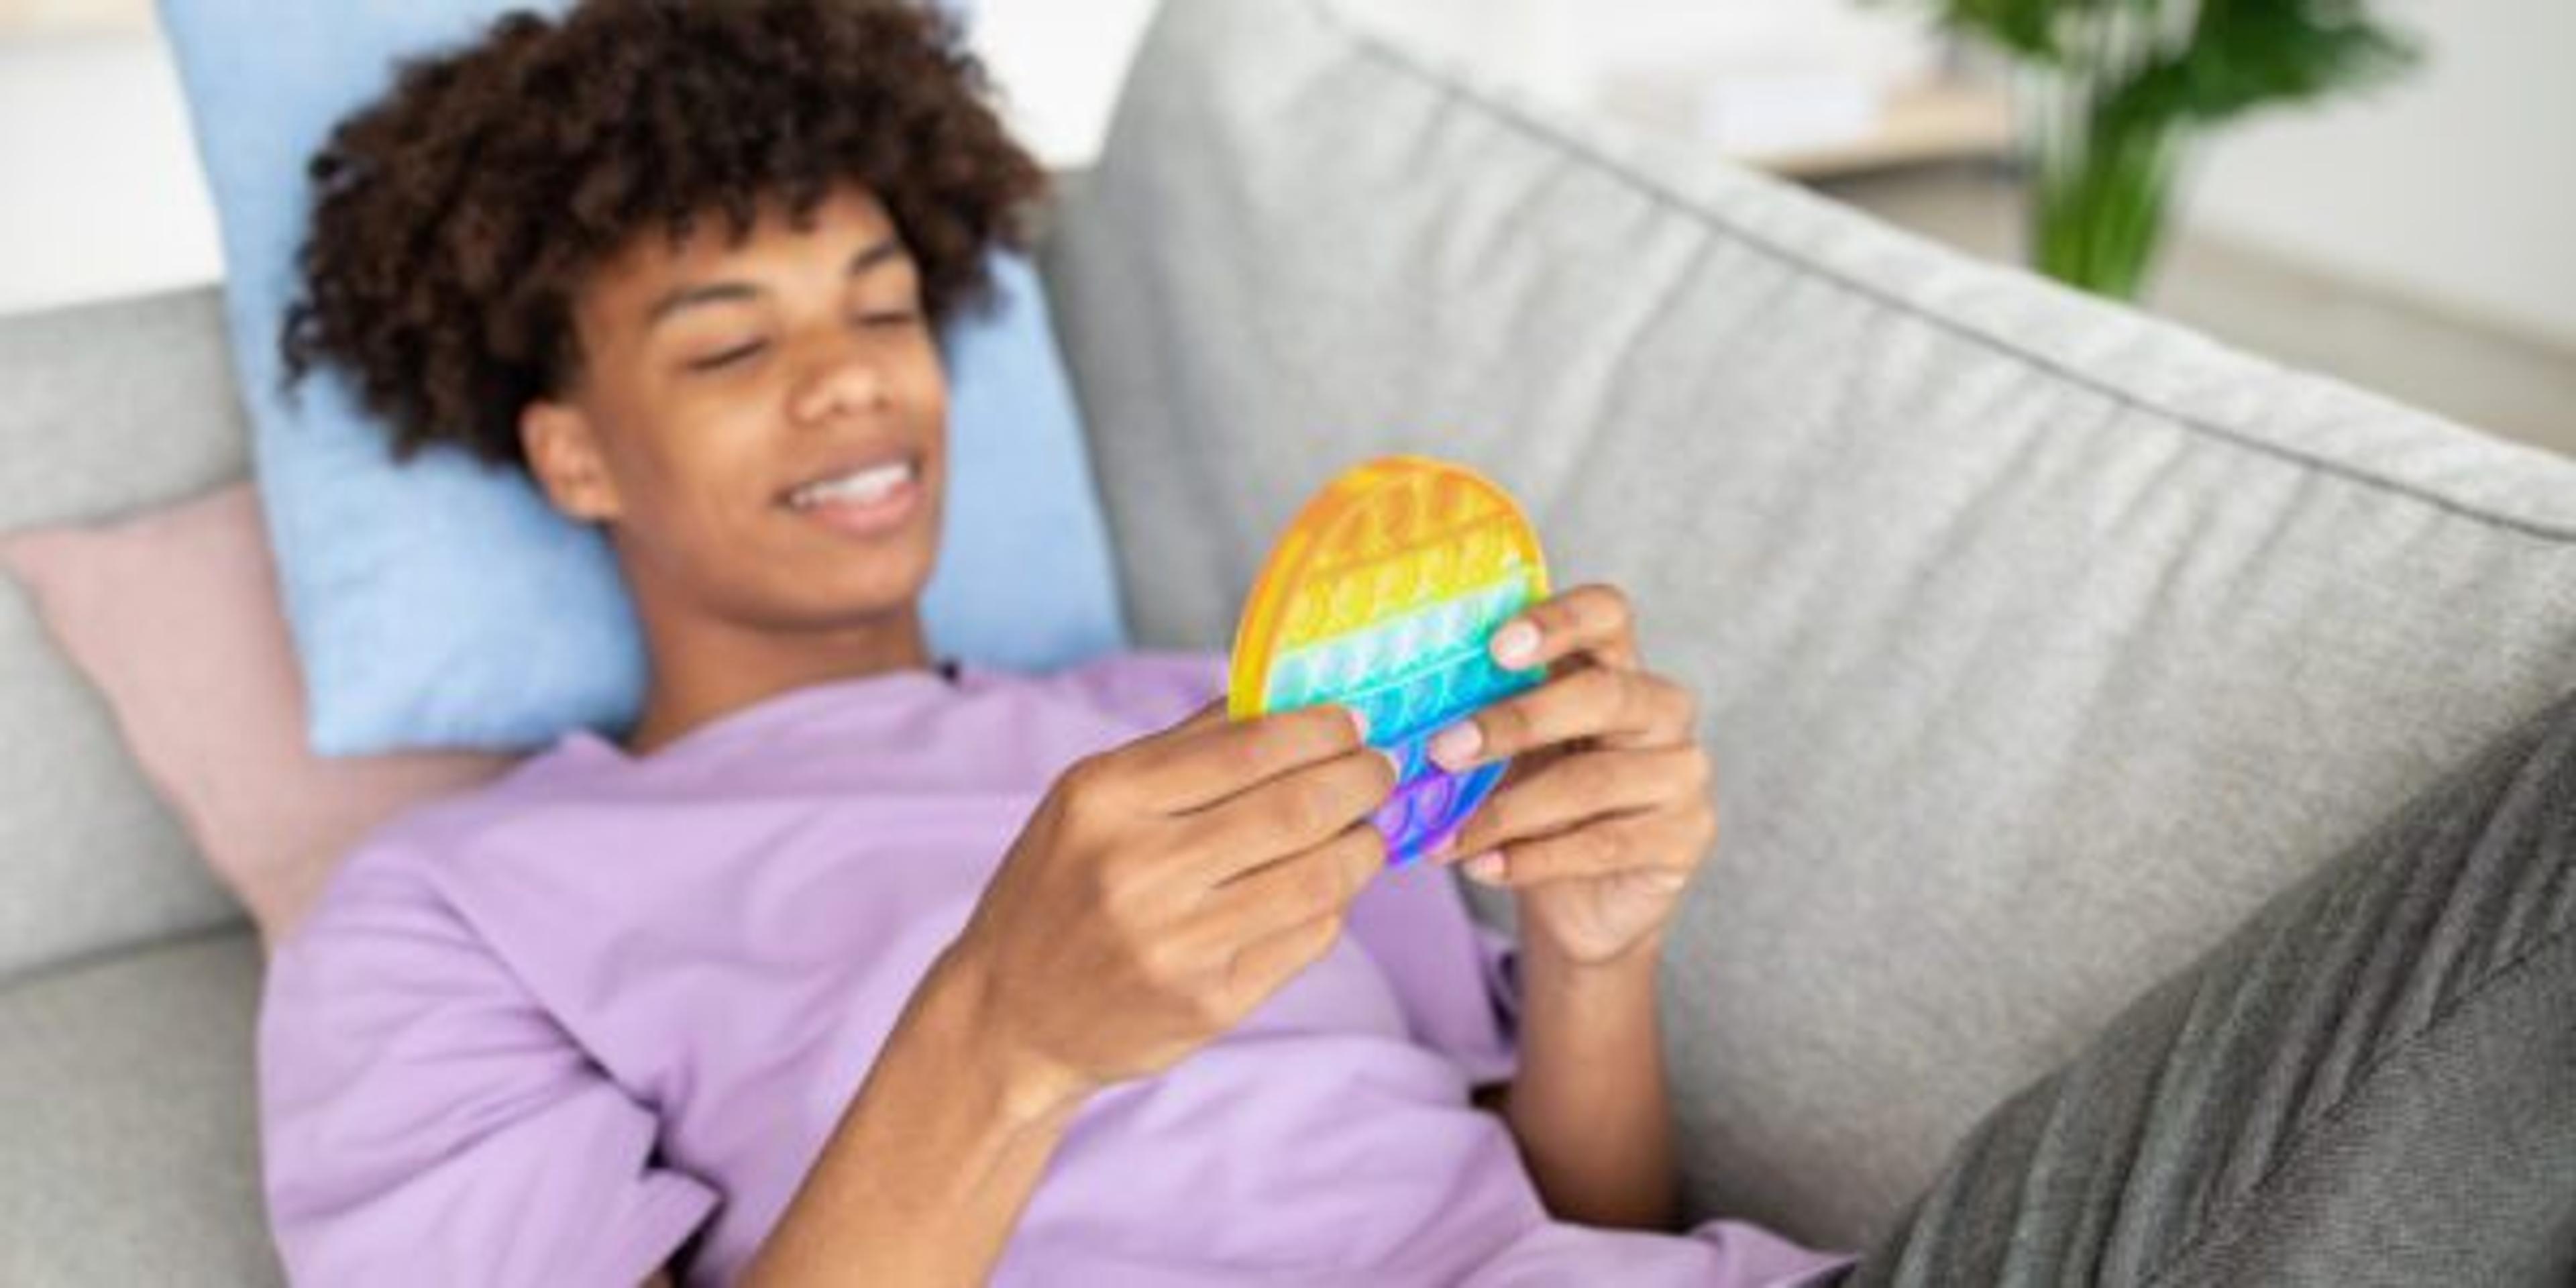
(840, 376)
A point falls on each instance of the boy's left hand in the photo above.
(1606, 811)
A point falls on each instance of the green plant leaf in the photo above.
(2023, 26)
(2237, 55)
(2126, 84)
(2246, 54)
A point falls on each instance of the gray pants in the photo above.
(2373, 1081)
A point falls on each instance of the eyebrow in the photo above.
(873, 256)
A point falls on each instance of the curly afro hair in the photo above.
(454, 220)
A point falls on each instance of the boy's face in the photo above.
(762, 426)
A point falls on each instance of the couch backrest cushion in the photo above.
(104, 409)
(2038, 641)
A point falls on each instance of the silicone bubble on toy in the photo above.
(1381, 595)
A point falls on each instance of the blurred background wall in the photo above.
(2458, 184)
(2415, 239)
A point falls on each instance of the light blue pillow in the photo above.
(442, 603)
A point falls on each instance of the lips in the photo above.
(865, 498)
(860, 478)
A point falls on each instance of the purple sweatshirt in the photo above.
(607, 1010)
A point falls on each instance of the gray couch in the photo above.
(2038, 641)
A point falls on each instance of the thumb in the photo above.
(1211, 714)
(1205, 717)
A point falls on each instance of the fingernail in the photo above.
(1454, 746)
(1359, 721)
(1486, 867)
(1515, 643)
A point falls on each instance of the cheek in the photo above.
(927, 396)
(729, 483)
(703, 472)
(924, 377)
(933, 398)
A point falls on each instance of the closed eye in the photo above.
(890, 317)
(726, 358)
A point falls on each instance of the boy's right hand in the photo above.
(1165, 888)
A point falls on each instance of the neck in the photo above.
(704, 667)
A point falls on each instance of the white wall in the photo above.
(1563, 48)
(99, 189)
(1059, 64)
(100, 194)
(2456, 186)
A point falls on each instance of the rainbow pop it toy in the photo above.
(1381, 595)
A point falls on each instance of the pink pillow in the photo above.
(174, 616)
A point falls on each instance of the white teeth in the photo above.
(862, 487)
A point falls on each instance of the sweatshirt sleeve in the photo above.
(423, 1121)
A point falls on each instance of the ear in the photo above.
(564, 453)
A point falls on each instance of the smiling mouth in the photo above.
(864, 501)
(864, 486)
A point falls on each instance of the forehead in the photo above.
(648, 261)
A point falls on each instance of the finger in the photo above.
(1221, 758)
(1297, 810)
(1621, 708)
(1592, 620)
(1297, 888)
(1260, 967)
(1623, 847)
(1585, 786)
(1206, 717)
